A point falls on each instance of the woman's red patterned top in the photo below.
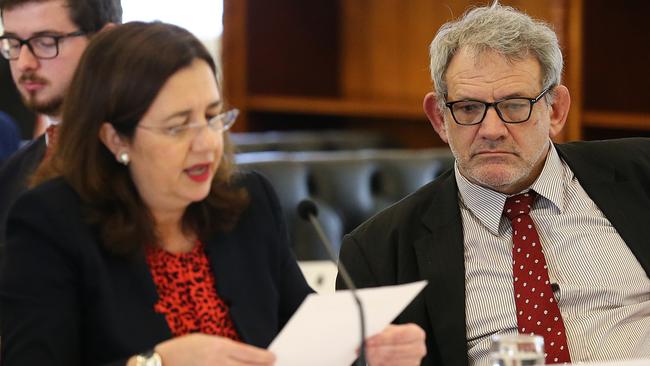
(187, 295)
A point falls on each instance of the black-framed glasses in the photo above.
(41, 46)
(510, 110)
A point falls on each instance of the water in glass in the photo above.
(516, 350)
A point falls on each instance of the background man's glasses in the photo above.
(510, 110)
(42, 47)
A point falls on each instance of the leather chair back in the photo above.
(348, 187)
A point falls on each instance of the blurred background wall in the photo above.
(362, 65)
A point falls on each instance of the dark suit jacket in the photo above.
(9, 137)
(66, 301)
(421, 237)
(13, 177)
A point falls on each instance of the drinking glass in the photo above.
(516, 350)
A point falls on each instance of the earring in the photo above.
(123, 158)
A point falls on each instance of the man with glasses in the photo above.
(523, 235)
(43, 41)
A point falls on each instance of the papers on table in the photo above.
(325, 330)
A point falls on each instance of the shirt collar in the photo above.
(49, 121)
(487, 205)
(554, 179)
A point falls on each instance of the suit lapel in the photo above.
(232, 286)
(440, 254)
(440, 257)
(138, 325)
(620, 199)
(233, 289)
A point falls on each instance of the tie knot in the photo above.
(519, 204)
(52, 133)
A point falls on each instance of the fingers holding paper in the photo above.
(400, 345)
(201, 349)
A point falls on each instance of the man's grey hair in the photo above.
(503, 30)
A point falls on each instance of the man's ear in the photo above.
(107, 26)
(430, 106)
(112, 139)
(559, 109)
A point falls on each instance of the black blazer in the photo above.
(14, 173)
(421, 237)
(66, 301)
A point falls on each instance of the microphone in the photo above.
(308, 211)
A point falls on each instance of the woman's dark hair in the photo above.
(117, 80)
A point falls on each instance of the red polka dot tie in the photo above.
(537, 309)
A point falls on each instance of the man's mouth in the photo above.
(493, 152)
(32, 83)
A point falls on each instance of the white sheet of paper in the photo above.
(325, 330)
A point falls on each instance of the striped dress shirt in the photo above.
(601, 289)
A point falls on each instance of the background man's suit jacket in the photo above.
(67, 301)
(421, 237)
(14, 173)
(9, 137)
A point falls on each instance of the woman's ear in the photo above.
(112, 139)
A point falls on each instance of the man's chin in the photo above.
(50, 107)
(496, 177)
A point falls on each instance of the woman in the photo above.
(140, 245)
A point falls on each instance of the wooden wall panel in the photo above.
(385, 42)
(293, 47)
(233, 60)
(352, 61)
(385, 46)
(620, 39)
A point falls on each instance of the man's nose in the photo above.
(26, 59)
(492, 127)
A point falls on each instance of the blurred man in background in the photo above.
(43, 41)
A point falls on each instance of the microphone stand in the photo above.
(307, 210)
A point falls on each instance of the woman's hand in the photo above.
(201, 349)
(399, 345)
